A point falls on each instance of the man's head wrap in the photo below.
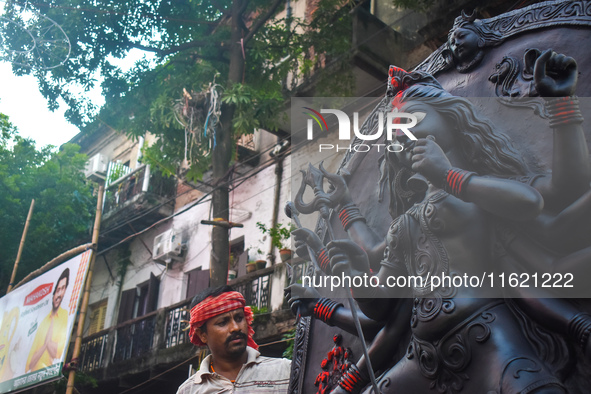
(216, 305)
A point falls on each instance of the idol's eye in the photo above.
(420, 116)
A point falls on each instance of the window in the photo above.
(97, 317)
(140, 300)
(197, 280)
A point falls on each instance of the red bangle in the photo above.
(564, 111)
(324, 261)
(349, 214)
(324, 309)
(352, 380)
(454, 181)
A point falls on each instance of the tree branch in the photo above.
(220, 8)
(244, 6)
(174, 49)
(262, 20)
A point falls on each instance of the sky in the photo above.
(21, 100)
(27, 109)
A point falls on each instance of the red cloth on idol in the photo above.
(213, 306)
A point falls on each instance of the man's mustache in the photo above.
(236, 335)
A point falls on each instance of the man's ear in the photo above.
(202, 335)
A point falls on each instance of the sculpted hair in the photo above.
(485, 151)
(485, 33)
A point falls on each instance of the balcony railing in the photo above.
(134, 184)
(135, 193)
(255, 290)
(135, 339)
(177, 321)
(92, 351)
(166, 327)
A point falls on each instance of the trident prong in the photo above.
(322, 200)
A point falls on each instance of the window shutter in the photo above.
(242, 260)
(92, 328)
(126, 305)
(198, 280)
(97, 317)
(153, 288)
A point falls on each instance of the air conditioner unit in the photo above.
(96, 168)
(167, 247)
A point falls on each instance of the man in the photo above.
(220, 320)
(49, 341)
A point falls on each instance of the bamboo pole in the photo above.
(79, 332)
(53, 263)
(20, 247)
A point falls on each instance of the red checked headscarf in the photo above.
(213, 306)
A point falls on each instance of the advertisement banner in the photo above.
(36, 323)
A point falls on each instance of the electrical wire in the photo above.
(160, 374)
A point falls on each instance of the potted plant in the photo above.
(279, 235)
(285, 254)
(251, 266)
(261, 264)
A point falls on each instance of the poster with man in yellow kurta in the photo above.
(37, 321)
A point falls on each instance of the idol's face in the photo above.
(429, 123)
(464, 44)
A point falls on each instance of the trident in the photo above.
(322, 202)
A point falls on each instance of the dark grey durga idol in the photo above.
(468, 249)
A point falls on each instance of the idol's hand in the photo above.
(555, 75)
(348, 258)
(301, 298)
(429, 160)
(304, 238)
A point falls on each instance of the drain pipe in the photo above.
(278, 177)
(278, 153)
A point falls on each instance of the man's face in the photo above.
(59, 293)
(226, 334)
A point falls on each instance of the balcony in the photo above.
(135, 201)
(138, 350)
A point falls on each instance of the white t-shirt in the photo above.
(258, 375)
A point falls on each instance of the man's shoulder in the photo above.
(188, 387)
(256, 361)
(271, 362)
(271, 368)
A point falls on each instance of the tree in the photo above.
(64, 206)
(235, 43)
